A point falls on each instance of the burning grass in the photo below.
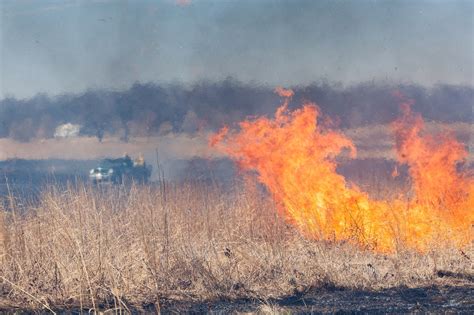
(294, 156)
(129, 248)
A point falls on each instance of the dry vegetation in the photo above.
(142, 247)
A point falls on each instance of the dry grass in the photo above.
(123, 248)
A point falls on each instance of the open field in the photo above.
(372, 141)
(199, 247)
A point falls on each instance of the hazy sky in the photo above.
(69, 46)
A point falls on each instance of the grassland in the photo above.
(201, 247)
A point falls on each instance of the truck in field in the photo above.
(121, 170)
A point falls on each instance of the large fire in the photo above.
(294, 154)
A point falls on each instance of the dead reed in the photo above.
(123, 247)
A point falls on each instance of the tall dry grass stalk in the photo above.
(3, 235)
(118, 248)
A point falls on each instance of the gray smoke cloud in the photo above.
(59, 47)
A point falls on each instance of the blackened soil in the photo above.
(446, 299)
(319, 301)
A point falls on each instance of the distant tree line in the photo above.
(151, 109)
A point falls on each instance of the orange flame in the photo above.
(286, 93)
(443, 195)
(293, 156)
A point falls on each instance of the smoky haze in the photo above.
(171, 123)
(60, 47)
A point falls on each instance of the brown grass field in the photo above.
(198, 247)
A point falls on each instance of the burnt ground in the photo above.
(457, 299)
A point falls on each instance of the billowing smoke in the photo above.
(151, 109)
